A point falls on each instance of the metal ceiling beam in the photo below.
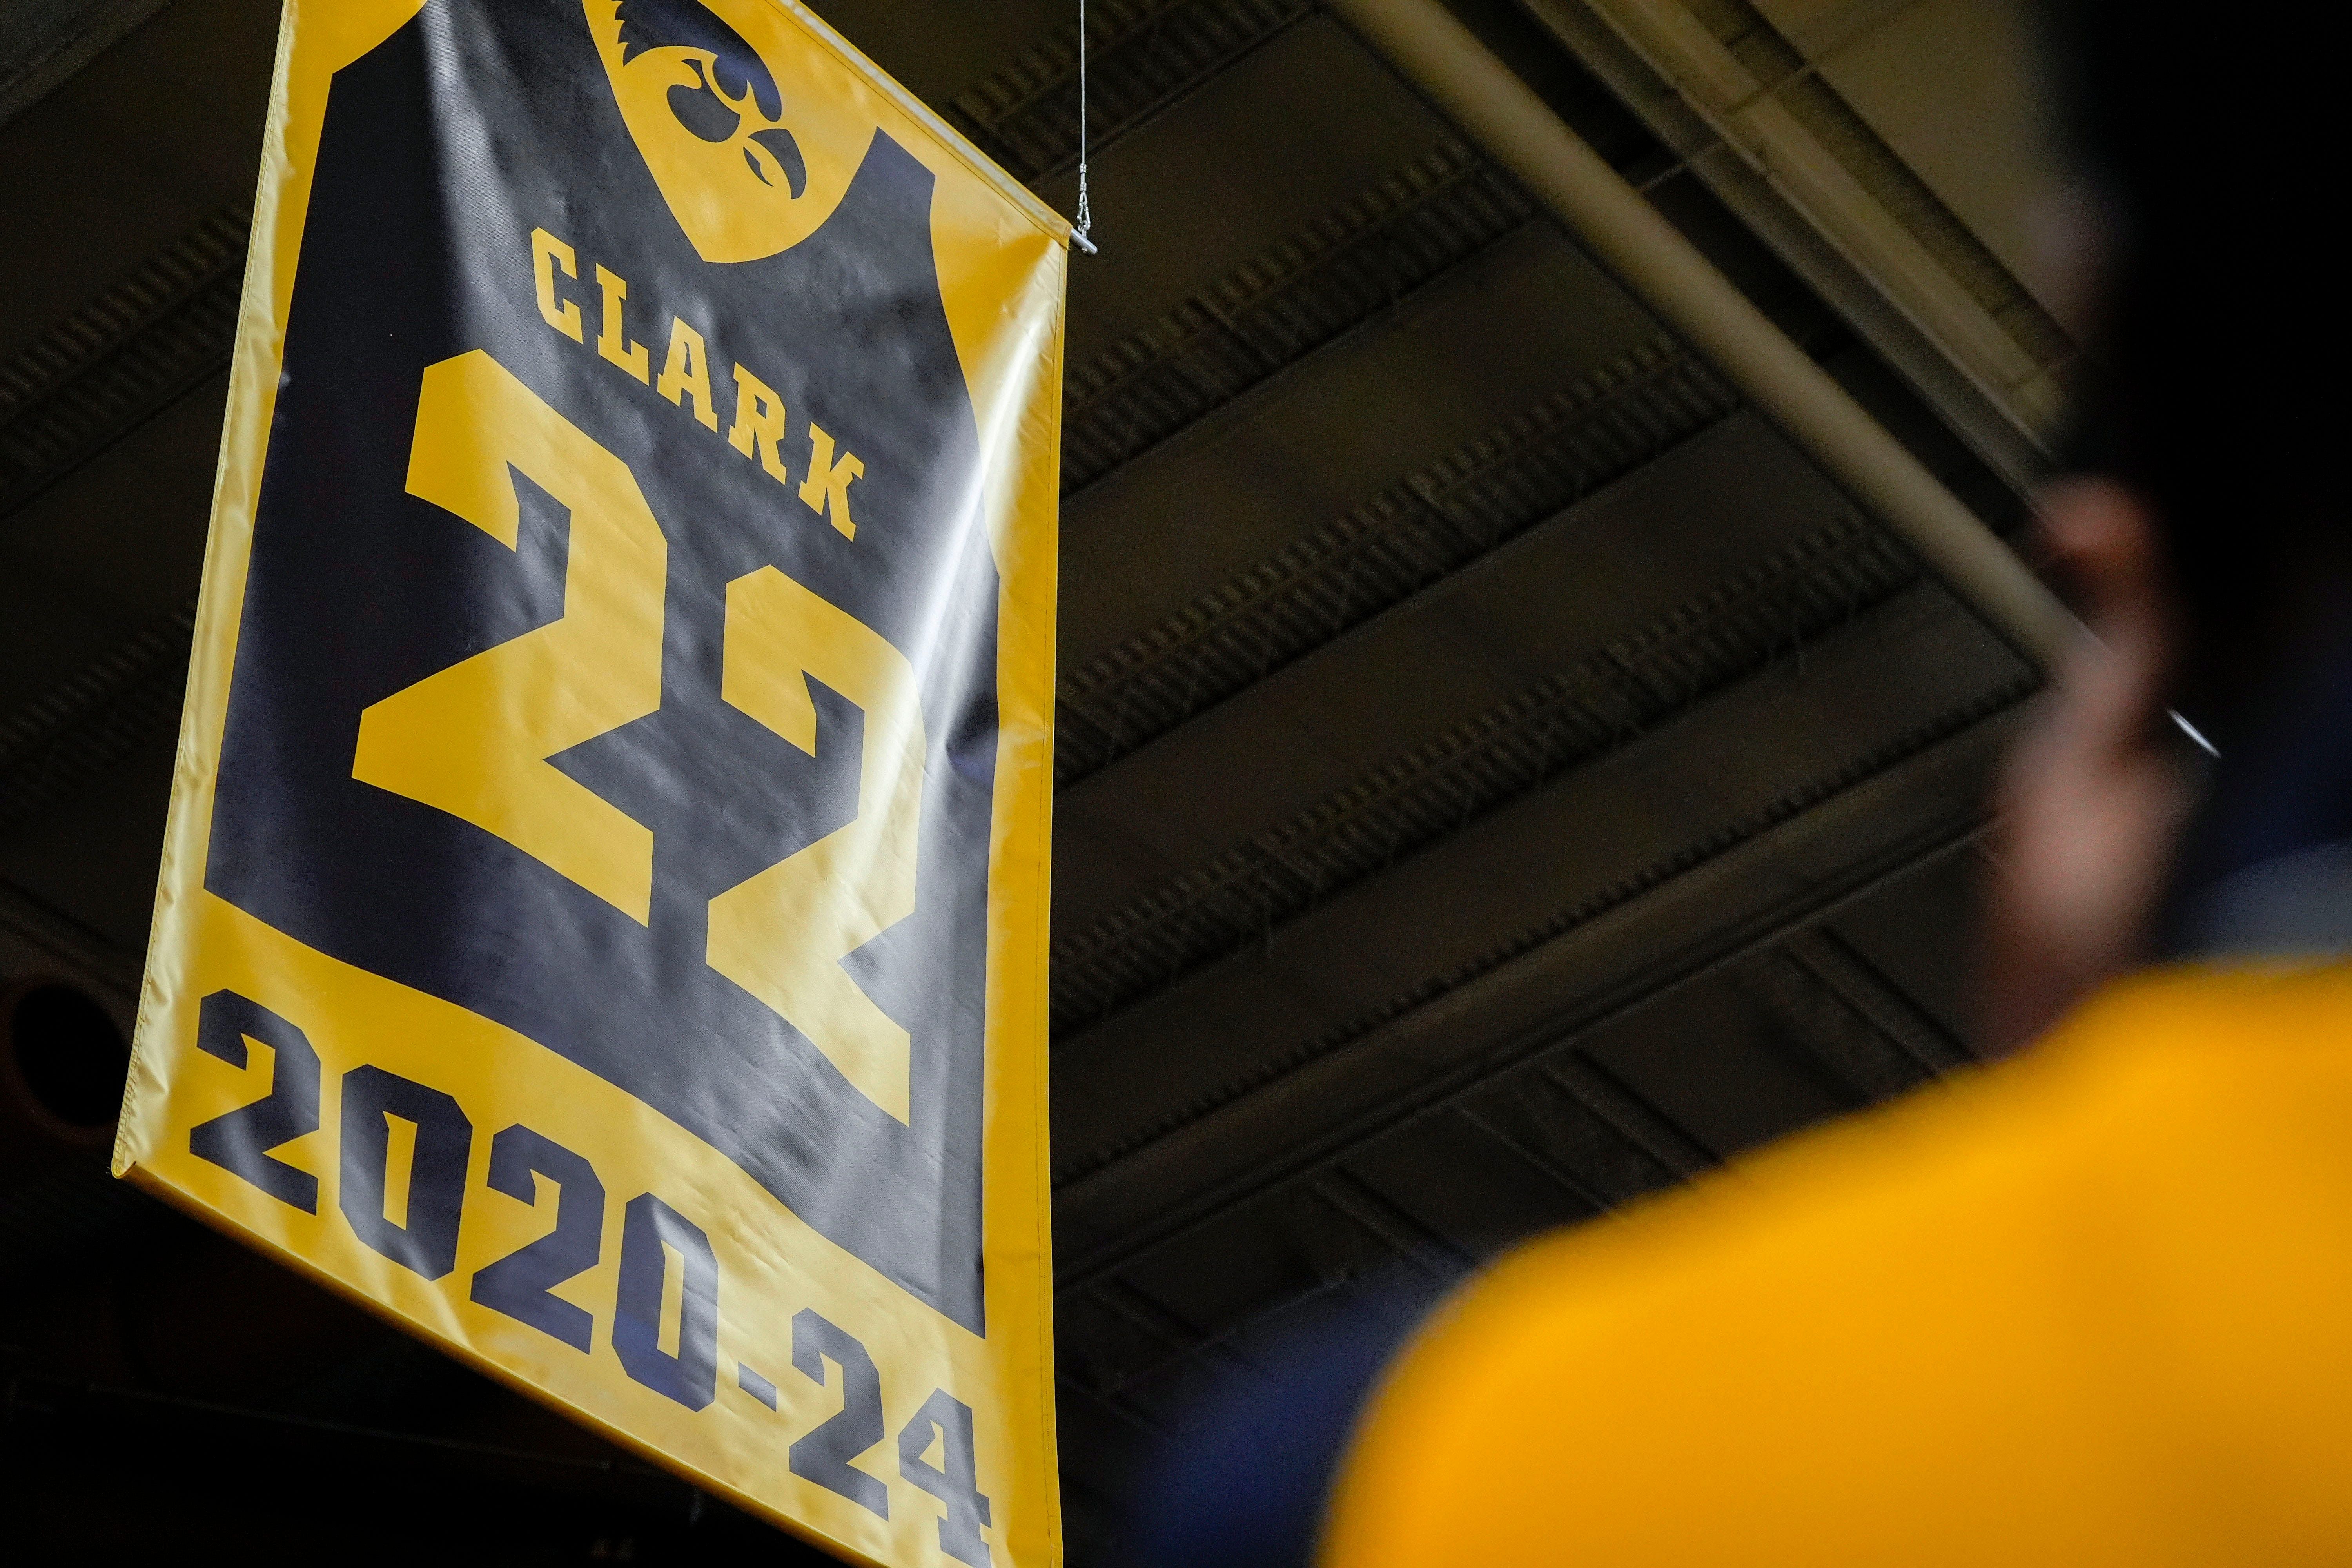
(1863, 260)
(1240, 1151)
(1529, 914)
(122, 360)
(1429, 48)
(1223, 872)
(45, 42)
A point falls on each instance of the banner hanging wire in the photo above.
(1079, 227)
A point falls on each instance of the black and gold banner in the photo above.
(603, 917)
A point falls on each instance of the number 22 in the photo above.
(474, 740)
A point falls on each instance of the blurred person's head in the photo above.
(2201, 534)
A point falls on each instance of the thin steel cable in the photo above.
(1084, 222)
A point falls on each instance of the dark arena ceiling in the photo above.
(1499, 775)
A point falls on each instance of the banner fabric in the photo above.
(602, 916)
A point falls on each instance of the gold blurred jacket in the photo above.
(2090, 1307)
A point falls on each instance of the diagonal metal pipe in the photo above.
(1440, 57)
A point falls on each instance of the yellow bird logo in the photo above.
(731, 97)
(752, 145)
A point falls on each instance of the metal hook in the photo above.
(1081, 227)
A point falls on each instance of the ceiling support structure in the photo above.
(41, 46)
(1438, 56)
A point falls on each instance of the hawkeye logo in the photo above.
(752, 149)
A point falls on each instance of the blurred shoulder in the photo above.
(2102, 1280)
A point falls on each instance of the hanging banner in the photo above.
(603, 919)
